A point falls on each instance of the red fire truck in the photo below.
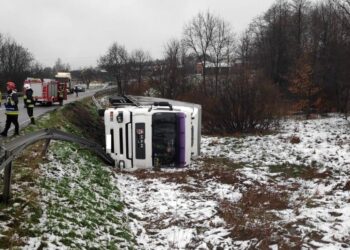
(47, 91)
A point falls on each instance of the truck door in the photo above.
(141, 142)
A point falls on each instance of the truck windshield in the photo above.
(165, 139)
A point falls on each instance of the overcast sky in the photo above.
(80, 31)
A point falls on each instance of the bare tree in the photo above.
(330, 35)
(15, 61)
(198, 35)
(272, 43)
(38, 71)
(60, 66)
(222, 47)
(244, 47)
(88, 75)
(173, 68)
(299, 22)
(139, 59)
(343, 7)
(115, 61)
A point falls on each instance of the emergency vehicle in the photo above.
(46, 91)
(147, 132)
(65, 77)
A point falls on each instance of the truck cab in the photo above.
(65, 77)
(143, 133)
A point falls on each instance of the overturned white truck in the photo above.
(146, 132)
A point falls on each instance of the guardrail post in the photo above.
(6, 195)
(46, 147)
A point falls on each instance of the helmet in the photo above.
(26, 86)
(11, 85)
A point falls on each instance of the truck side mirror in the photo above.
(120, 117)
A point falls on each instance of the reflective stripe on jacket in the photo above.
(11, 104)
(28, 98)
(60, 93)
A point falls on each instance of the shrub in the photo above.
(243, 102)
(248, 103)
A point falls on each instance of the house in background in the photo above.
(222, 67)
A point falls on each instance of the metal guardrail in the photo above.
(107, 90)
(15, 147)
(97, 104)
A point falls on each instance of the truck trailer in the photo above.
(147, 132)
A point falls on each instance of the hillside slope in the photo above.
(67, 199)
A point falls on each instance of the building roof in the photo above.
(63, 75)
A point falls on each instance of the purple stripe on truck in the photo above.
(182, 139)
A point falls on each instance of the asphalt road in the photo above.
(39, 110)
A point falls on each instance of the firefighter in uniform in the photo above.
(60, 94)
(11, 105)
(29, 102)
(76, 90)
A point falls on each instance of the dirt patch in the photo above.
(300, 171)
(223, 176)
(313, 173)
(222, 162)
(207, 172)
(252, 216)
(190, 189)
(295, 140)
(181, 177)
(347, 186)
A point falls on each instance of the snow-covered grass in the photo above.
(76, 205)
(66, 200)
(325, 142)
(290, 189)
